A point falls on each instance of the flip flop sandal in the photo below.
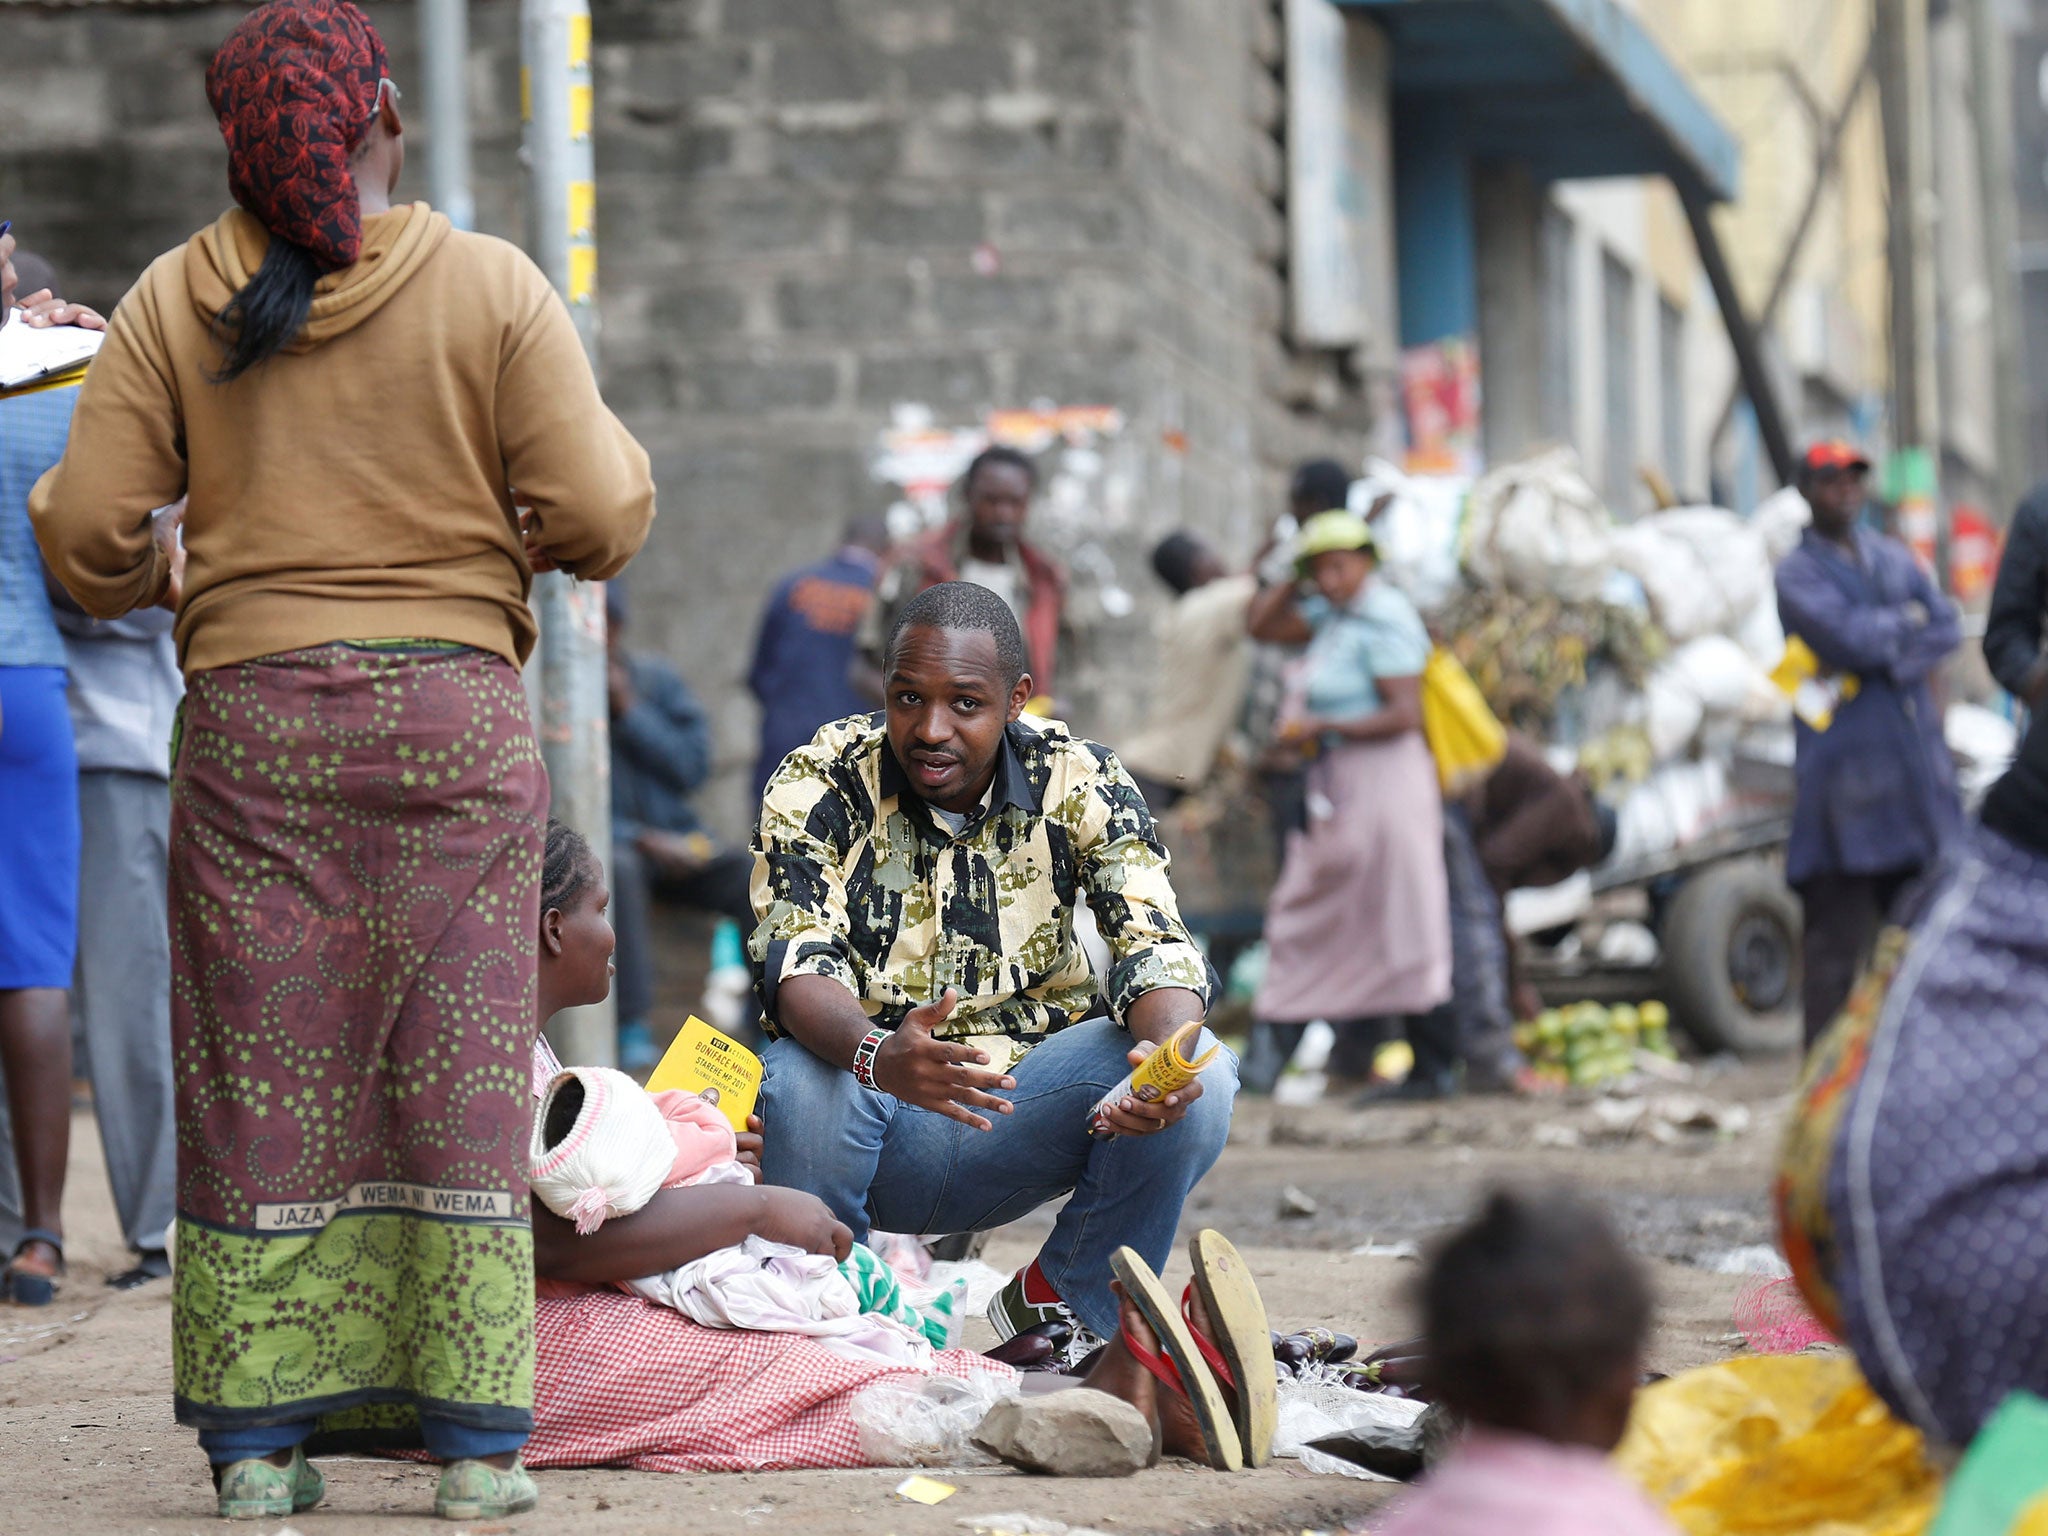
(23, 1287)
(1242, 1355)
(1183, 1370)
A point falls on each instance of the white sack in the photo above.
(1704, 568)
(1536, 527)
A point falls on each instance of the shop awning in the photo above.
(1572, 87)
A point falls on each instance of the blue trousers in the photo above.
(445, 1440)
(878, 1161)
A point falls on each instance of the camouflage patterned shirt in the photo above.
(855, 879)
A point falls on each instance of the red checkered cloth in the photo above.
(622, 1382)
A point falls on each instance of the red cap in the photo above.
(1833, 453)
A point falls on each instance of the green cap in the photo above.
(1333, 530)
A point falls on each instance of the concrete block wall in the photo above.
(812, 212)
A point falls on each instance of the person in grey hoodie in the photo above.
(124, 693)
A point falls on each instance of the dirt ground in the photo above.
(91, 1448)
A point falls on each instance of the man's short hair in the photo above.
(1174, 559)
(1320, 485)
(964, 605)
(999, 453)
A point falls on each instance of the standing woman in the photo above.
(1358, 925)
(39, 837)
(344, 390)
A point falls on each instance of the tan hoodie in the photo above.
(354, 487)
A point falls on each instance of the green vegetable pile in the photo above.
(1586, 1044)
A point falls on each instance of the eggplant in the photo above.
(1329, 1346)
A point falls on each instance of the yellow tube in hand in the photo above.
(1166, 1070)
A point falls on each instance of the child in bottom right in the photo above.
(1535, 1317)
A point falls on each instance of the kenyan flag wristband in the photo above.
(864, 1057)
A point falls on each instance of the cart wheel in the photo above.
(1731, 959)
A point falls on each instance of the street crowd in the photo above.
(277, 849)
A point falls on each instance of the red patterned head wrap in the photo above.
(296, 86)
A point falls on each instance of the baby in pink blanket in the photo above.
(1535, 1317)
(602, 1145)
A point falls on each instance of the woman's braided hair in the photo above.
(567, 868)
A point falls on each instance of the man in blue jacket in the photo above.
(661, 756)
(807, 642)
(1875, 798)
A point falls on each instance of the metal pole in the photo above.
(1900, 37)
(575, 725)
(1742, 335)
(1824, 161)
(444, 80)
(1991, 114)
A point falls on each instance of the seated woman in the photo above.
(1912, 1197)
(620, 1381)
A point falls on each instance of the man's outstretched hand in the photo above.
(940, 1075)
(1133, 1117)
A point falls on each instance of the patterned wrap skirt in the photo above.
(1912, 1192)
(356, 840)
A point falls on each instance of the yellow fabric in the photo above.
(1814, 689)
(1769, 1444)
(1465, 738)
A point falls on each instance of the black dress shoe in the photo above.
(154, 1264)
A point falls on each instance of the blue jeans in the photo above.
(445, 1440)
(874, 1159)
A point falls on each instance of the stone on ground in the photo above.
(1075, 1433)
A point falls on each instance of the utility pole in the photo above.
(1991, 118)
(1900, 42)
(1752, 375)
(444, 78)
(561, 202)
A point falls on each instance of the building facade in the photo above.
(1170, 246)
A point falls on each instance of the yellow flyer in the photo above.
(708, 1062)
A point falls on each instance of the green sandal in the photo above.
(260, 1490)
(476, 1490)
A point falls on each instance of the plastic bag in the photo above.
(1464, 737)
(908, 1421)
(1312, 1410)
(1781, 518)
(1760, 1445)
(1704, 568)
(1537, 527)
(1417, 528)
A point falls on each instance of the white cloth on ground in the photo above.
(779, 1289)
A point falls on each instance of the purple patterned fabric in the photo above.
(1938, 1188)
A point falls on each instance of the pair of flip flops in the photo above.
(1226, 1373)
